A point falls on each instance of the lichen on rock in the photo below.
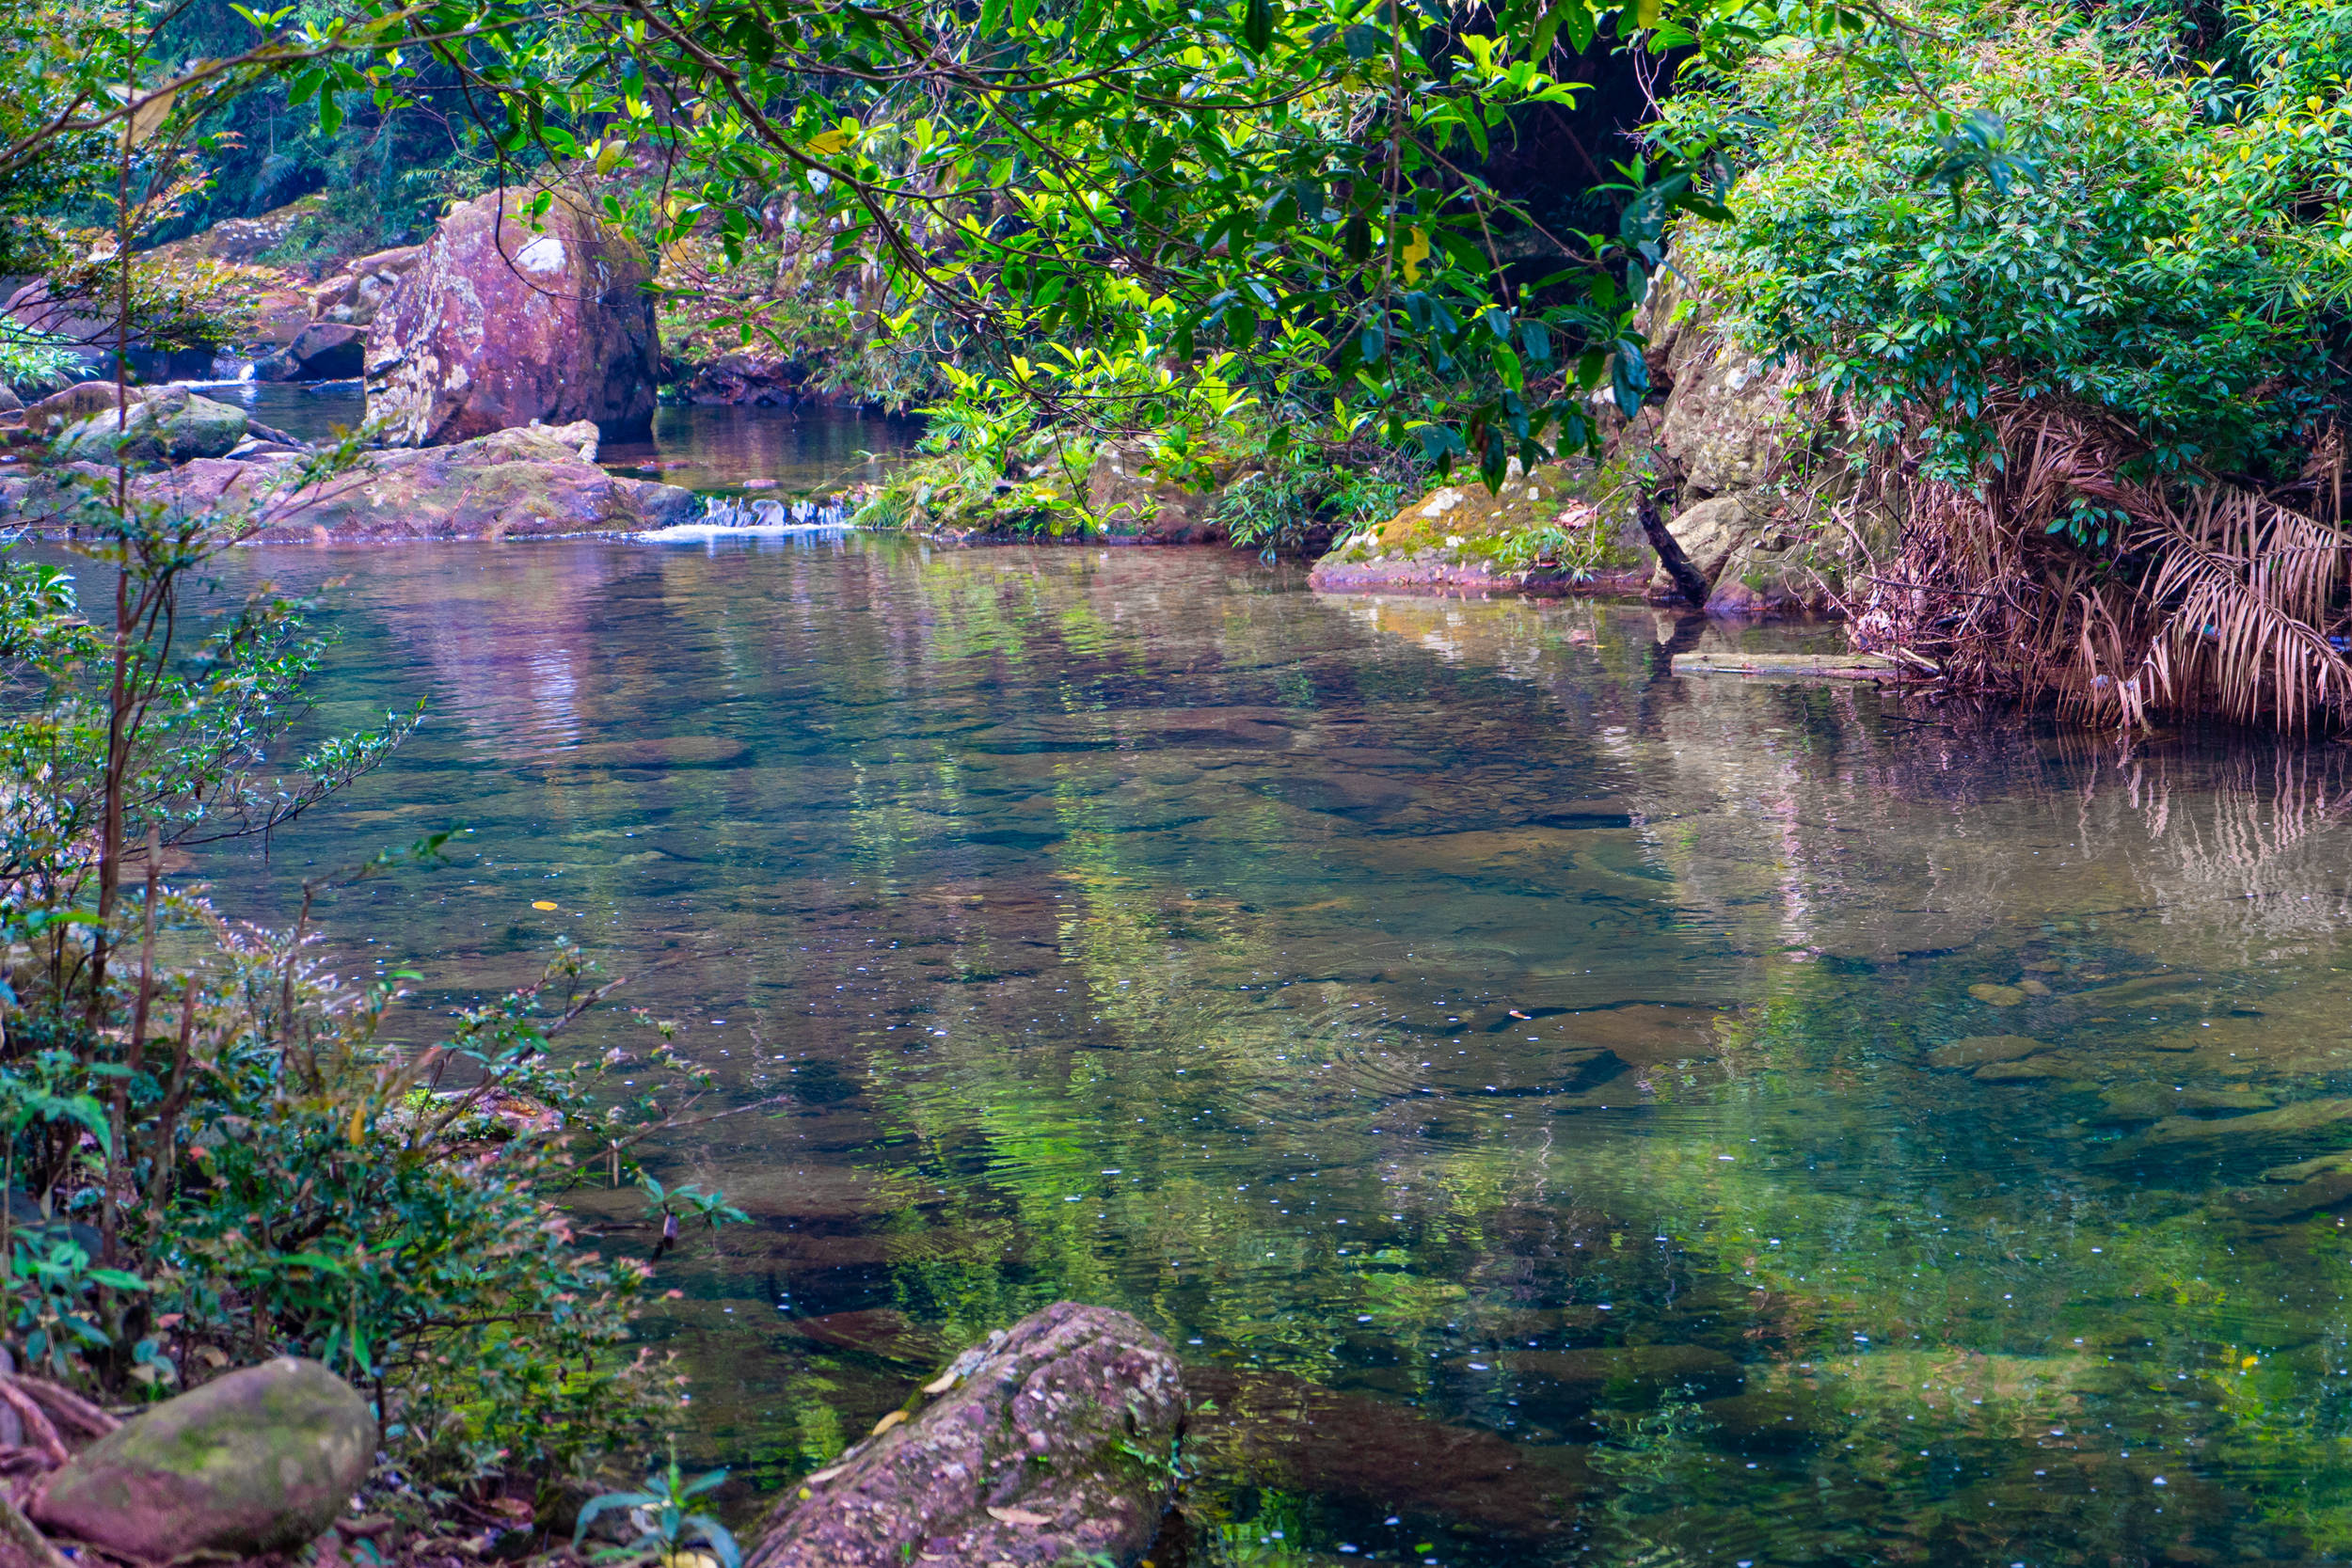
(1055, 1442)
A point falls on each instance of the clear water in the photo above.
(810, 450)
(1519, 1081)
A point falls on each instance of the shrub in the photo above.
(244, 1168)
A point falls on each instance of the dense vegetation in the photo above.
(2075, 286)
(2066, 291)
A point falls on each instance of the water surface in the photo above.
(1561, 1111)
(814, 450)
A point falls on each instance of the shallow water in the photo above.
(1561, 1111)
(813, 450)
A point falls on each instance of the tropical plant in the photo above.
(2077, 321)
(672, 1523)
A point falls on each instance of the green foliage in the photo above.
(34, 361)
(1988, 204)
(223, 1159)
(673, 1523)
(1302, 500)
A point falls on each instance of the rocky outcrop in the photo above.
(1524, 538)
(168, 425)
(261, 1460)
(534, 482)
(742, 376)
(244, 240)
(1724, 432)
(331, 342)
(321, 351)
(356, 297)
(504, 319)
(1052, 1443)
(539, 482)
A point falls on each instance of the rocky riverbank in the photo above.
(534, 482)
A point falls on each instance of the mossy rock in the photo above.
(261, 1460)
(170, 426)
(1463, 535)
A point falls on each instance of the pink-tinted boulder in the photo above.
(505, 319)
(261, 1460)
(1054, 1443)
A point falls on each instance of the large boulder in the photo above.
(538, 481)
(322, 351)
(75, 404)
(172, 425)
(505, 320)
(259, 1461)
(1053, 1443)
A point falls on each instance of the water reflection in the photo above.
(1562, 1112)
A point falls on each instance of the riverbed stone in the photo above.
(261, 1460)
(170, 426)
(1621, 1375)
(2304, 1122)
(1051, 1443)
(1976, 1051)
(1995, 995)
(1770, 1421)
(2154, 1101)
(2274, 1203)
(322, 351)
(505, 319)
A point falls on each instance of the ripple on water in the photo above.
(1512, 1075)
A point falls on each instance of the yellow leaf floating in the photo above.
(542, 904)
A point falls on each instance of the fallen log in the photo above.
(1831, 667)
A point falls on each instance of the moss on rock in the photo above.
(1557, 529)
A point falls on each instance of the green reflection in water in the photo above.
(1575, 1114)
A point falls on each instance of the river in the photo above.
(1561, 1111)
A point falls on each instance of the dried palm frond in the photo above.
(2220, 601)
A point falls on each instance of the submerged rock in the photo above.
(1273, 1430)
(1976, 1051)
(261, 1460)
(1628, 1374)
(1770, 1421)
(2304, 1122)
(501, 324)
(2285, 1203)
(1053, 1443)
(2154, 1101)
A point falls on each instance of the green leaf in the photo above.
(1257, 25)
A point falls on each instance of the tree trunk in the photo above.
(1687, 578)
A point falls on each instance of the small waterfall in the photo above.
(734, 512)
